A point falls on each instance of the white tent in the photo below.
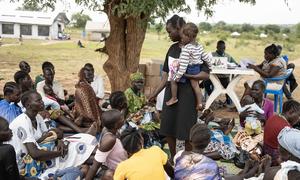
(235, 34)
(263, 35)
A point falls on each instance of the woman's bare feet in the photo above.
(172, 101)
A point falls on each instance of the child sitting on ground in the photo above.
(191, 56)
(8, 165)
(151, 163)
(110, 151)
(53, 100)
(252, 125)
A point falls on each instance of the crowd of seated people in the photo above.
(95, 149)
(45, 136)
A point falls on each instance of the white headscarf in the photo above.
(289, 139)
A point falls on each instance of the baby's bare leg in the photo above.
(173, 99)
(197, 91)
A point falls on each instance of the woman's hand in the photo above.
(152, 98)
(58, 132)
(245, 113)
(63, 147)
(252, 66)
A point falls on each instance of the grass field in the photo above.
(68, 58)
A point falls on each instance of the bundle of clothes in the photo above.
(227, 146)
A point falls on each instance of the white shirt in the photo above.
(23, 132)
(160, 100)
(57, 89)
(98, 86)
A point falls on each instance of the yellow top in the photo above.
(146, 164)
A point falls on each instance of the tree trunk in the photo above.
(123, 46)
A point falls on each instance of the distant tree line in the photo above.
(222, 26)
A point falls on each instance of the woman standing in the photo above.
(178, 119)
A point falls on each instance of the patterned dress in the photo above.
(135, 102)
(193, 166)
(80, 148)
(86, 102)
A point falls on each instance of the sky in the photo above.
(230, 11)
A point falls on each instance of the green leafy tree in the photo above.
(158, 28)
(286, 30)
(79, 20)
(247, 28)
(128, 24)
(220, 25)
(30, 6)
(272, 28)
(205, 26)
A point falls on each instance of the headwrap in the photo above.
(136, 76)
(288, 138)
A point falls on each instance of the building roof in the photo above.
(33, 17)
(93, 26)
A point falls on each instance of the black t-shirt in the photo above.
(8, 165)
(174, 51)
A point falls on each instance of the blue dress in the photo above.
(9, 111)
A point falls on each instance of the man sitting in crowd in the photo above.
(224, 79)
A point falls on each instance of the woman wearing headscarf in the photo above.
(289, 149)
(135, 98)
(289, 153)
(288, 118)
(86, 107)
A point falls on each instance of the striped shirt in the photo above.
(192, 54)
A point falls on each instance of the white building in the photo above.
(97, 31)
(32, 25)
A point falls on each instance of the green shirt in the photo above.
(135, 102)
(229, 58)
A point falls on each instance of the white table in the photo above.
(219, 89)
